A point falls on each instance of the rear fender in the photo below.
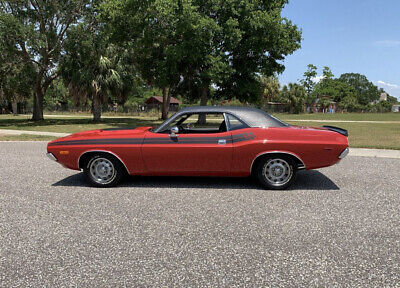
(300, 162)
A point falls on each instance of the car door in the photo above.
(193, 151)
(244, 148)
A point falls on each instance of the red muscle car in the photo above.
(203, 141)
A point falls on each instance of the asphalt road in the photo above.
(338, 226)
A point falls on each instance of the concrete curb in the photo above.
(381, 153)
(41, 133)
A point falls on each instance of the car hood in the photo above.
(105, 133)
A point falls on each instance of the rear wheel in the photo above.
(276, 172)
(103, 171)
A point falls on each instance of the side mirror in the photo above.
(174, 131)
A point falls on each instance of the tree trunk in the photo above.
(165, 105)
(263, 102)
(14, 106)
(203, 102)
(168, 100)
(38, 104)
(96, 108)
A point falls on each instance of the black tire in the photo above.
(113, 170)
(284, 177)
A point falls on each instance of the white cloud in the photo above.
(316, 79)
(387, 43)
(380, 82)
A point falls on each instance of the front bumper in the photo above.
(51, 156)
(344, 153)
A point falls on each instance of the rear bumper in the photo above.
(344, 153)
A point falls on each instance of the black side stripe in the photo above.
(99, 141)
(137, 141)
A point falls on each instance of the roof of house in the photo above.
(160, 100)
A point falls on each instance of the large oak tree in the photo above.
(227, 44)
(34, 31)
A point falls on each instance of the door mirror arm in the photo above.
(174, 132)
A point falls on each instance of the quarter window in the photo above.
(234, 123)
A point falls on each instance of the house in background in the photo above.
(396, 108)
(329, 106)
(155, 102)
(382, 97)
(278, 107)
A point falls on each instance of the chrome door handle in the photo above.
(221, 141)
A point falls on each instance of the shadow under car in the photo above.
(306, 180)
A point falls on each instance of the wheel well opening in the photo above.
(299, 163)
(84, 159)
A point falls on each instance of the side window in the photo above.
(199, 123)
(204, 121)
(235, 123)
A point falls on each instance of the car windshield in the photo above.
(157, 129)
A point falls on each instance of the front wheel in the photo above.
(276, 173)
(103, 171)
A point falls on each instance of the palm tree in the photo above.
(295, 95)
(95, 70)
(271, 89)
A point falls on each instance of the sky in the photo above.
(359, 36)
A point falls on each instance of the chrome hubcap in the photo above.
(277, 172)
(102, 170)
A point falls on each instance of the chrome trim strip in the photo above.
(344, 153)
(104, 151)
(226, 122)
(278, 152)
(51, 156)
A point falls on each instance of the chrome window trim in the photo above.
(226, 122)
(278, 152)
(176, 115)
(179, 114)
(103, 151)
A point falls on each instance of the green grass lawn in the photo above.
(368, 135)
(26, 137)
(340, 116)
(72, 124)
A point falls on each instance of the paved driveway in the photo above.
(339, 225)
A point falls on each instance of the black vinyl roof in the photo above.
(253, 117)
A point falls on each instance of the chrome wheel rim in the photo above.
(277, 172)
(102, 171)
